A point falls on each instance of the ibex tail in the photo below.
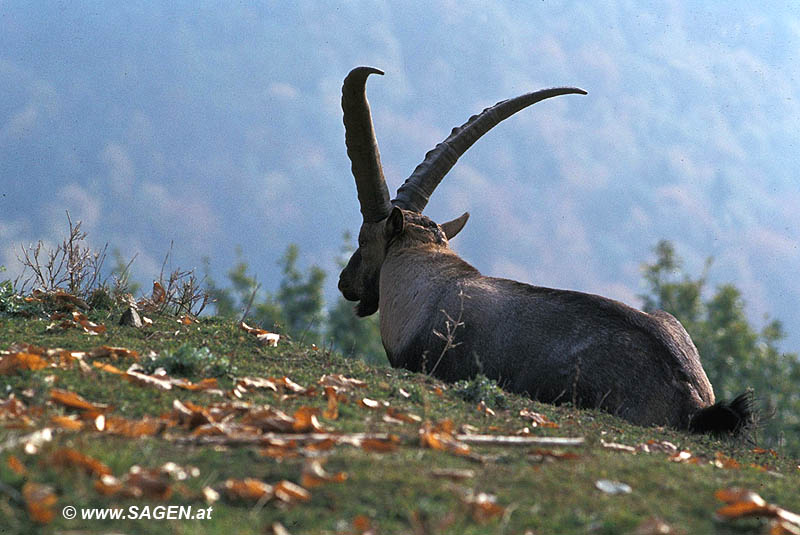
(725, 417)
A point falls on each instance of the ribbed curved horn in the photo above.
(417, 189)
(362, 147)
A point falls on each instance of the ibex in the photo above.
(553, 345)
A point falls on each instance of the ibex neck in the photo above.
(413, 283)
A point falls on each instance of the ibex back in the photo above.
(439, 315)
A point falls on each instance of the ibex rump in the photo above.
(554, 345)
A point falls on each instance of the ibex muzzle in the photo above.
(440, 315)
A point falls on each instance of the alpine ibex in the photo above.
(554, 345)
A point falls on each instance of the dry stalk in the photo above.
(451, 326)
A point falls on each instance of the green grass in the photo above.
(397, 491)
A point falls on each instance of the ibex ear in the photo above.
(451, 228)
(394, 223)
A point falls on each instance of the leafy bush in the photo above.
(188, 360)
(481, 388)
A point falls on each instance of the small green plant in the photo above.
(188, 360)
(13, 304)
(481, 388)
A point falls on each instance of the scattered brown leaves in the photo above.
(75, 320)
(744, 502)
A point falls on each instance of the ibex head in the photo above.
(385, 220)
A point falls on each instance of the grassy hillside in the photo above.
(394, 454)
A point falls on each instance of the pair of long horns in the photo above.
(362, 146)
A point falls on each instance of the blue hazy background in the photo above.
(218, 126)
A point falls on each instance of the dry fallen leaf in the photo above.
(341, 383)
(117, 425)
(397, 416)
(257, 382)
(147, 483)
(113, 352)
(744, 502)
(380, 445)
(138, 378)
(368, 403)
(108, 368)
(305, 419)
(265, 337)
(652, 446)
(439, 436)
(617, 447)
(484, 409)
(723, 461)
(70, 458)
(107, 485)
(331, 412)
(12, 408)
(482, 506)
(536, 419)
(315, 475)
(270, 419)
(159, 295)
(75, 401)
(550, 455)
(15, 465)
(280, 449)
(362, 525)
(11, 362)
(683, 457)
(289, 492)
(70, 423)
(290, 386)
(39, 500)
